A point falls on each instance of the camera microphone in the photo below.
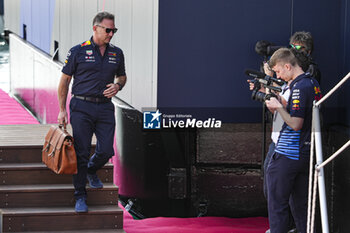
(266, 84)
(255, 74)
(261, 75)
(279, 82)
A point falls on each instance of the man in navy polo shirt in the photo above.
(287, 171)
(99, 74)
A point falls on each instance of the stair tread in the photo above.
(49, 187)
(15, 166)
(22, 165)
(93, 209)
(17, 135)
(32, 182)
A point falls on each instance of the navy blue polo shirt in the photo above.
(303, 91)
(91, 71)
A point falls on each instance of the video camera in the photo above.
(266, 81)
(266, 48)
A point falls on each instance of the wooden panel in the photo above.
(39, 174)
(49, 219)
(25, 135)
(33, 198)
(30, 154)
(53, 195)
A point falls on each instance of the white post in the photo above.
(319, 160)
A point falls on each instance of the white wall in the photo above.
(34, 78)
(137, 21)
(12, 15)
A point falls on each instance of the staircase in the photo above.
(34, 199)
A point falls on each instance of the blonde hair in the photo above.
(283, 55)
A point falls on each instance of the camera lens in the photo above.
(258, 96)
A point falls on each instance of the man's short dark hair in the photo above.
(101, 16)
(304, 38)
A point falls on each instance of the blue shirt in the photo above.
(92, 71)
(303, 91)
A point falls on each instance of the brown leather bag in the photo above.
(58, 152)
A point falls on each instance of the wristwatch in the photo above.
(120, 86)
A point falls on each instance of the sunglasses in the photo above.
(297, 47)
(108, 30)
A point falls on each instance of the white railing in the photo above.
(317, 172)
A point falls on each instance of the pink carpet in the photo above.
(12, 113)
(195, 225)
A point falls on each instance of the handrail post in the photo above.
(319, 160)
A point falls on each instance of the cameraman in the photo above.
(287, 171)
(277, 120)
(303, 42)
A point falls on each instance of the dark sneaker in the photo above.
(80, 205)
(94, 181)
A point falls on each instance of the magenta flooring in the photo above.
(195, 225)
(12, 113)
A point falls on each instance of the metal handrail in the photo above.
(316, 134)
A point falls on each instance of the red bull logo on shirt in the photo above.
(317, 90)
(295, 105)
(318, 94)
(86, 43)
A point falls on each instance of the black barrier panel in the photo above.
(164, 172)
(205, 47)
